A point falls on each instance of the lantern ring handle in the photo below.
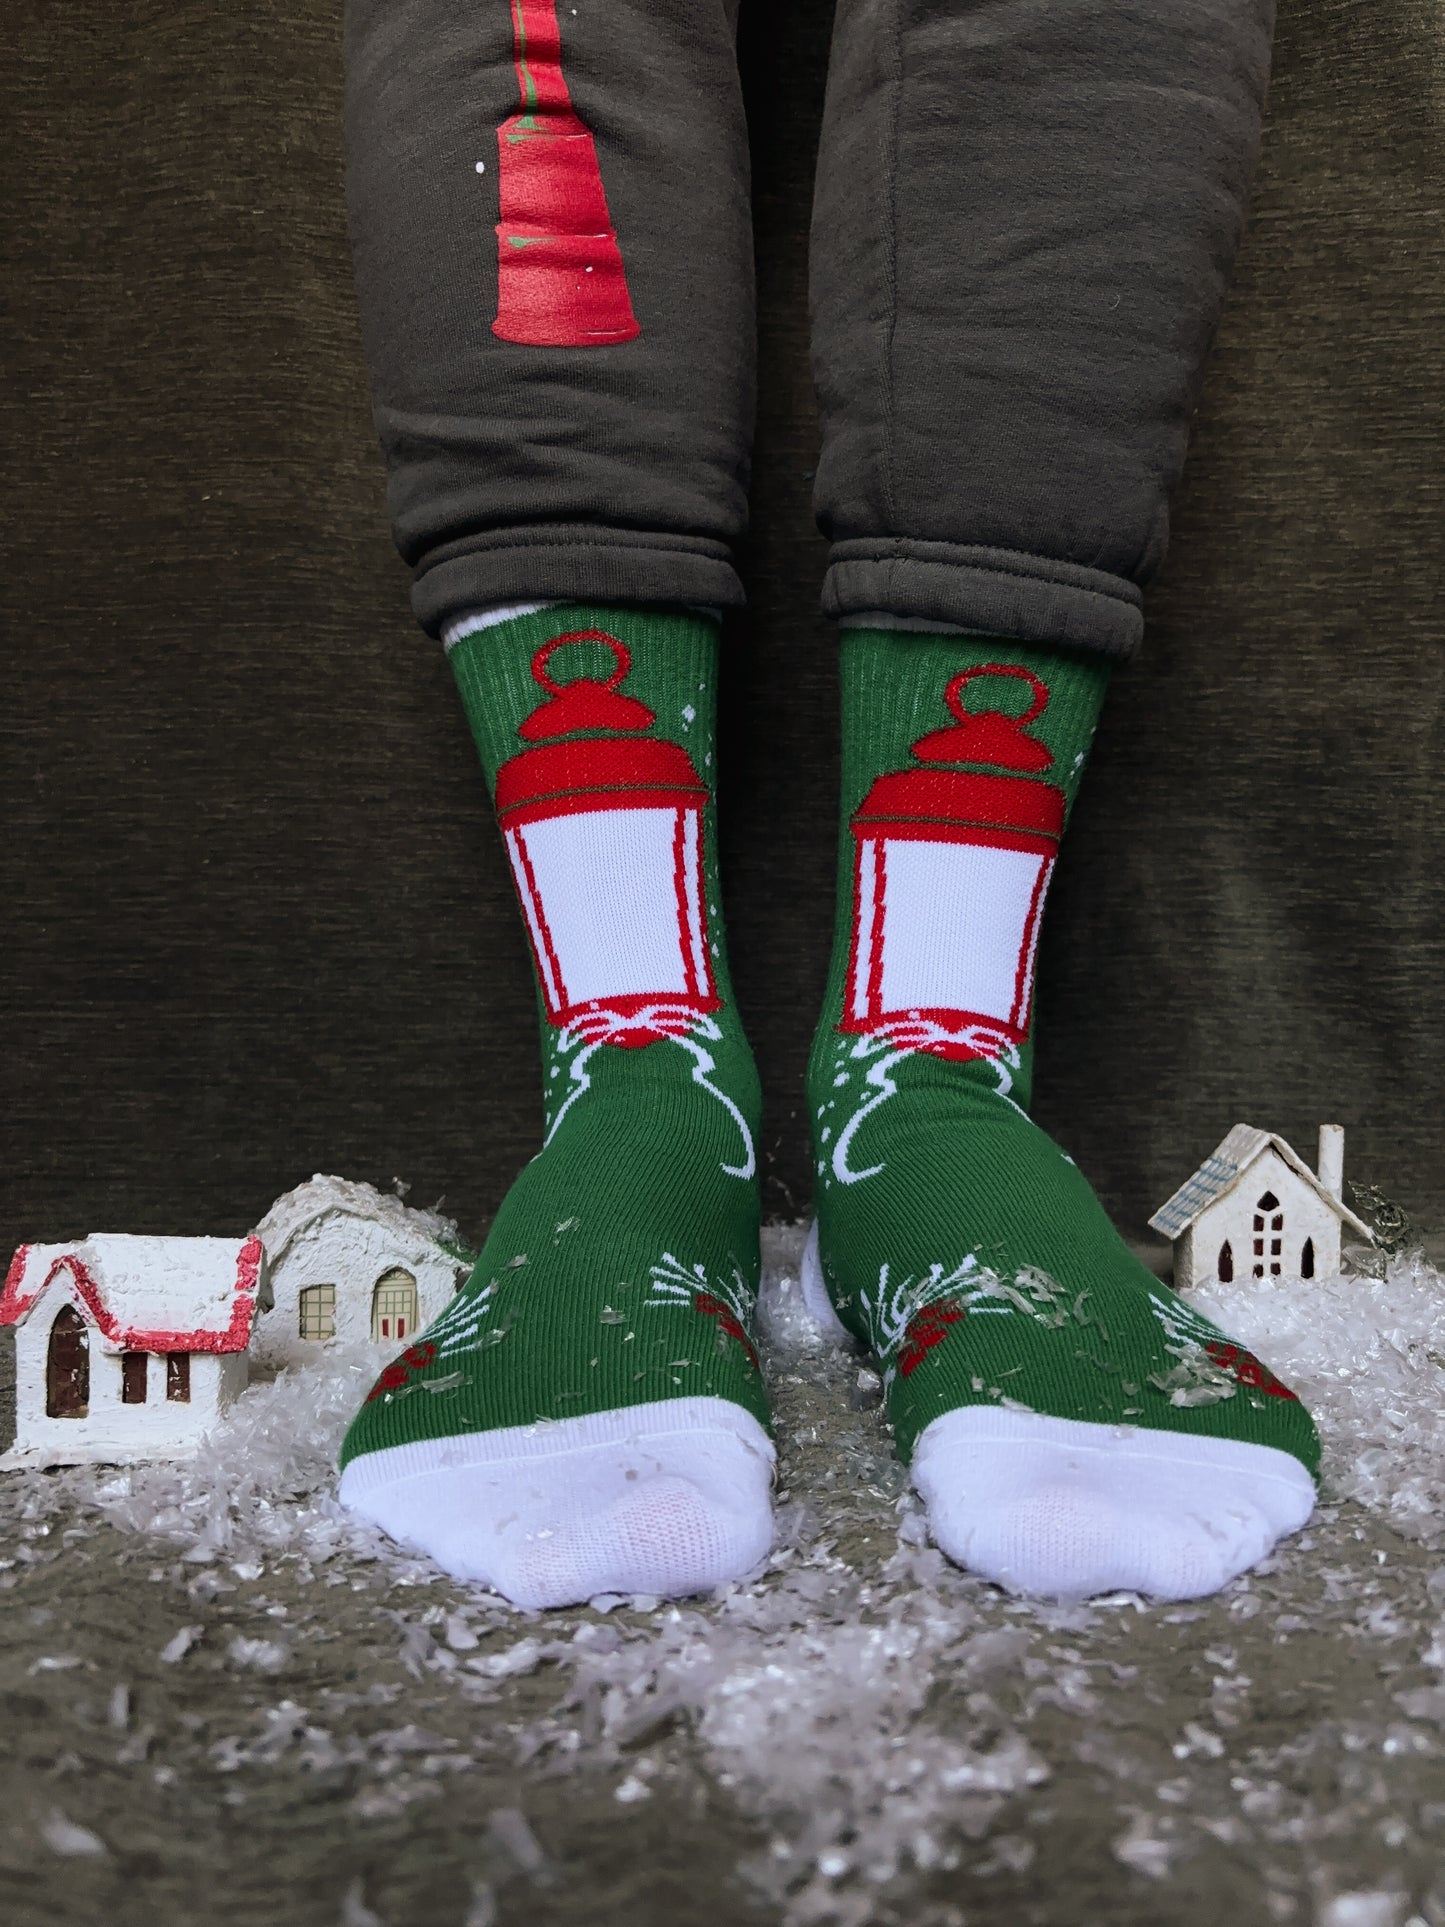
(622, 659)
(953, 695)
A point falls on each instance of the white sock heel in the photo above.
(815, 1293)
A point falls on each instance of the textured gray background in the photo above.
(256, 919)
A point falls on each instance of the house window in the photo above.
(318, 1311)
(67, 1366)
(394, 1305)
(1226, 1262)
(133, 1378)
(1268, 1236)
(178, 1377)
(1307, 1259)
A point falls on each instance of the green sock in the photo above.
(622, 1267)
(956, 1239)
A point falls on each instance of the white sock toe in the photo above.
(670, 1537)
(1067, 1509)
(669, 1498)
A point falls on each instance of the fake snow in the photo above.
(175, 1649)
(354, 1910)
(69, 1840)
(880, 1716)
(1365, 1910)
(1367, 1356)
(509, 1828)
(262, 1486)
(263, 1655)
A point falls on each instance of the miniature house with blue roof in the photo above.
(1254, 1209)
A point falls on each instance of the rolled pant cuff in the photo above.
(1000, 592)
(571, 563)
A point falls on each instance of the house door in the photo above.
(67, 1366)
(394, 1306)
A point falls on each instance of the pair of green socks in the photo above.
(588, 1415)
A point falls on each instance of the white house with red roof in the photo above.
(127, 1348)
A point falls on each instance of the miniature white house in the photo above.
(127, 1348)
(349, 1262)
(1254, 1209)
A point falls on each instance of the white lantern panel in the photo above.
(959, 925)
(611, 913)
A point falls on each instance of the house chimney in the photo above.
(1332, 1159)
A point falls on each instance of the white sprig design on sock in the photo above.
(460, 1326)
(725, 1298)
(892, 1307)
(676, 1023)
(906, 1039)
(1195, 1378)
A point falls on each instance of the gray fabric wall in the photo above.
(256, 919)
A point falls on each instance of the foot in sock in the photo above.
(587, 1415)
(1073, 1426)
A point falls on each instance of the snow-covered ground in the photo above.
(1367, 1355)
(890, 1730)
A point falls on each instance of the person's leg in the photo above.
(562, 373)
(1007, 350)
(535, 445)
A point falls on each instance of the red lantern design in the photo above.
(605, 835)
(950, 872)
(560, 278)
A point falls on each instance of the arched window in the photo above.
(1307, 1259)
(394, 1306)
(1226, 1263)
(1268, 1236)
(316, 1306)
(67, 1366)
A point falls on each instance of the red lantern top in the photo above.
(929, 804)
(610, 766)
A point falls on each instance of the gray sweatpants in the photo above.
(1024, 220)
